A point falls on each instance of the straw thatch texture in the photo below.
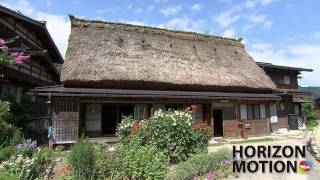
(102, 54)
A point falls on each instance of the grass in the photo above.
(312, 123)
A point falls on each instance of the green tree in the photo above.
(308, 108)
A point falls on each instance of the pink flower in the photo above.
(21, 57)
(218, 174)
(2, 42)
(209, 175)
(15, 54)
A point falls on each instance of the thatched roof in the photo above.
(103, 54)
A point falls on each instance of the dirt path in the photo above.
(59, 168)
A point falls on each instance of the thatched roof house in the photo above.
(114, 55)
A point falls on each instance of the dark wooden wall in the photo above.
(277, 76)
(65, 120)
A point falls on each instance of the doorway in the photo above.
(112, 115)
(109, 119)
(217, 123)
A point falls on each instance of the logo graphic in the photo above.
(305, 166)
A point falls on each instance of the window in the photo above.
(199, 113)
(296, 109)
(253, 111)
(281, 106)
(243, 111)
(263, 111)
(286, 80)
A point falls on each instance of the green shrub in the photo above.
(105, 162)
(202, 133)
(140, 162)
(124, 129)
(312, 122)
(201, 164)
(6, 128)
(16, 138)
(18, 110)
(41, 160)
(7, 176)
(172, 132)
(6, 153)
(82, 159)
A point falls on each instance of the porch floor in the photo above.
(107, 140)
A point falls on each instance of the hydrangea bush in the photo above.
(7, 56)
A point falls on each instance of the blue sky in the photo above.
(285, 32)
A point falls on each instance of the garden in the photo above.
(168, 145)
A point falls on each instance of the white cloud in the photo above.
(227, 18)
(196, 7)
(101, 11)
(150, 8)
(57, 25)
(136, 23)
(76, 2)
(266, 2)
(250, 4)
(298, 55)
(158, 1)
(267, 24)
(129, 6)
(259, 19)
(49, 2)
(230, 33)
(170, 10)
(178, 23)
(138, 10)
(23, 6)
(224, 1)
(186, 24)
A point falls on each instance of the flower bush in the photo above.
(25, 167)
(27, 147)
(172, 132)
(124, 128)
(9, 57)
(202, 133)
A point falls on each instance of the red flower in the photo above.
(193, 106)
(136, 128)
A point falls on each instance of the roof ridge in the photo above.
(74, 19)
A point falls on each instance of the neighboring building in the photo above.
(315, 91)
(33, 38)
(40, 69)
(114, 69)
(286, 80)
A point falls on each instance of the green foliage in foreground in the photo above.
(201, 164)
(311, 123)
(140, 162)
(82, 159)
